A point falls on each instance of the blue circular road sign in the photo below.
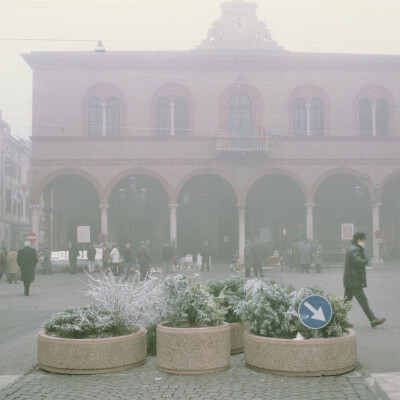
(315, 312)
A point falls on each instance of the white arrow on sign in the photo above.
(319, 315)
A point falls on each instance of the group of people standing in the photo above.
(307, 253)
(253, 258)
(25, 260)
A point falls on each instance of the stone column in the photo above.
(35, 208)
(47, 216)
(308, 106)
(242, 229)
(373, 119)
(172, 223)
(310, 221)
(104, 218)
(375, 227)
(104, 108)
(172, 105)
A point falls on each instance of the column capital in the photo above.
(104, 206)
(310, 205)
(241, 207)
(377, 204)
(173, 205)
(34, 207)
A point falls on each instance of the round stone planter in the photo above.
(311, 357)
(193, 350)
(237, 336)
(91, 356)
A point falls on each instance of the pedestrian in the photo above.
(73, 254)
(91, 255)
(27, 260)
(129, 256)
(258, 255)
(3, 265)
(167, 255)
(206, 255)
(305, 255)
(355, 277)
(248, 258)
(296, 254)
(106, 257)
(317, 256)
(47, 261)
(115, 259)
(12, 266)
(143, 257)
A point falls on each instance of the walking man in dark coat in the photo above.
(27, 260)
(355, 279)
(143, 258)
(258, 254)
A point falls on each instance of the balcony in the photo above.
(230, 146)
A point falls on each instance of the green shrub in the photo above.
(272, 311)
(87, 322)
(228, 293)
(192, 305)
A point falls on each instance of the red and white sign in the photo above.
(31, 237)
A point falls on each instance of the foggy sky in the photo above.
(343, 26)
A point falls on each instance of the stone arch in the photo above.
(388, 178)
(138, 171)
(228, 92)
(199, 172)
(335, 171)
(277, 171)
(35, 196)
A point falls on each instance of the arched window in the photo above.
(240, 118)
(112, 116)
(317, 117)
(163, 116)
(299, 117)
(382, 117)
(98, 126)
(95, 117)
(365, 116)
(181, 116)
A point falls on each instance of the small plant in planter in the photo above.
(228, 293)
(194, 339)
(272, 313)
(104, 337)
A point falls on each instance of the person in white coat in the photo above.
(115, 259)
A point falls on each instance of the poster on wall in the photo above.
(388, 233)
(347, 231)
(83, 234)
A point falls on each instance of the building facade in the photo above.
(14, 188)
(237, 138)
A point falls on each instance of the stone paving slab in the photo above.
(6, 380)
(389, 383)
(146, 382)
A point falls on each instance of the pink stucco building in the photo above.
(234, 139)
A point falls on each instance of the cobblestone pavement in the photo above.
(146, 382)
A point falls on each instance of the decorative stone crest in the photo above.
(239, 29)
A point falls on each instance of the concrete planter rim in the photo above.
(42, 333)
(91, 356)
(164, 325)
(193, 351)
(308, 357)
(350, 335)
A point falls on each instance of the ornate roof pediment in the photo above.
(239, 29)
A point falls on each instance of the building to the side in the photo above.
(237, 138)
(14, 188)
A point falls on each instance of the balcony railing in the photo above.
(241, 146)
